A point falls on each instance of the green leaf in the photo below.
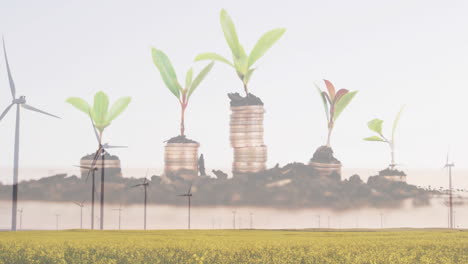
(395, 123)
(324, 101)
(79, 104)
(117, 108)
(230, 33)
(374, 138)
(342, 103)
(100, 108)
(188, 78)
(212, 56)
(264, 44)
(200, 78)
(375, 125)
(167, 72)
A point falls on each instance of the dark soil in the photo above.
(238, 100)
(107, 156)
(324, 154)
(391, 172)
(180, 139)
(295, 185)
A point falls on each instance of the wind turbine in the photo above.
(91, 170)
(145, 185)
(81, 205)
(189, 196)
(21, 218)
(233, 219)
(449, 166)
(318, 219)
(20, 102)
(120, 214)
(57, 216)
(101, 151)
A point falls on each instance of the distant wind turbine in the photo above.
(189, 196)
(449, 166)
(318, 219)
(234, 219)
(20, 102)
(81, 205)
(21, 218)
(145, 185)
(91, 170)
(57, 216)
(120, 214)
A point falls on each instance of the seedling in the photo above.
(241, 62)
(100, 113)
(375, 125)
(169, 77)
(334, 103)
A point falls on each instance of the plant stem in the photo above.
(246, 90)
(330, 128)
(392, 154)
(182, 121)
(183, 105)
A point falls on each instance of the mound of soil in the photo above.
(324, 154)
(391, 172)
(181, 139)
(238, 100)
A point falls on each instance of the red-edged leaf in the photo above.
(330, 88)
(340, 94)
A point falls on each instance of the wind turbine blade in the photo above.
(107, 146)
(25, 106)
(136, 185)
(5, 112)
(10, 78)
(190, 189)
(83, 167)
(93, 164)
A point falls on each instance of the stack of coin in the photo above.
(181, 156)
(250, 153)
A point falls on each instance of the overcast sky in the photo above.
(398, 52)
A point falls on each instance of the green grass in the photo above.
(235, 246)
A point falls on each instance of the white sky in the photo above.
(394, 53)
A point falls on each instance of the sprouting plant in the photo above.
(169, 77)
(241, 62)
(376, 126)
(100, 113)
(334, 102)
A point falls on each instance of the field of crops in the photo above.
(234, 246)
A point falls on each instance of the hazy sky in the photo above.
(397, 52)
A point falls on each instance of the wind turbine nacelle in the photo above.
(20, 100)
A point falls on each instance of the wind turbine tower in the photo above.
(449, 166)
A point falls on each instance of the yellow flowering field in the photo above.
(234, 246)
